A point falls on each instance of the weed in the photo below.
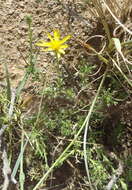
(78, 108)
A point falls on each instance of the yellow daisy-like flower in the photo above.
(55, 44)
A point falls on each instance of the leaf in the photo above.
(124, 186)
(22, 83)
(17, 164)
(117, 44)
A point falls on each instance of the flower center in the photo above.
(56, 45)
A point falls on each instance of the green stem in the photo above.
(22, 83)
(22, 175)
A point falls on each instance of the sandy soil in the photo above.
(47, 15)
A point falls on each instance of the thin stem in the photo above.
(8, 82)
(30, 35)
(86, 128)
(21, 175)
(119, 69)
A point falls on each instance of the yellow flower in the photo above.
(55, 44)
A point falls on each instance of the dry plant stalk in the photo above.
(6, 168)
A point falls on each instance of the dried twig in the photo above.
(7, 172)
(117, 20)
(6, 168)
(118, 173)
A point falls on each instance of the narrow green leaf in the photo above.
(17, 164)
(123, 185)
(22, 83)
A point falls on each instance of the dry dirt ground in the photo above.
(47, 15)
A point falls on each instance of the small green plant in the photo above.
(71, 107)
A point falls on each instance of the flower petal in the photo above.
(64, 46)
(56, 35)
(43, 44)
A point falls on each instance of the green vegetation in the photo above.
(75, 125)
